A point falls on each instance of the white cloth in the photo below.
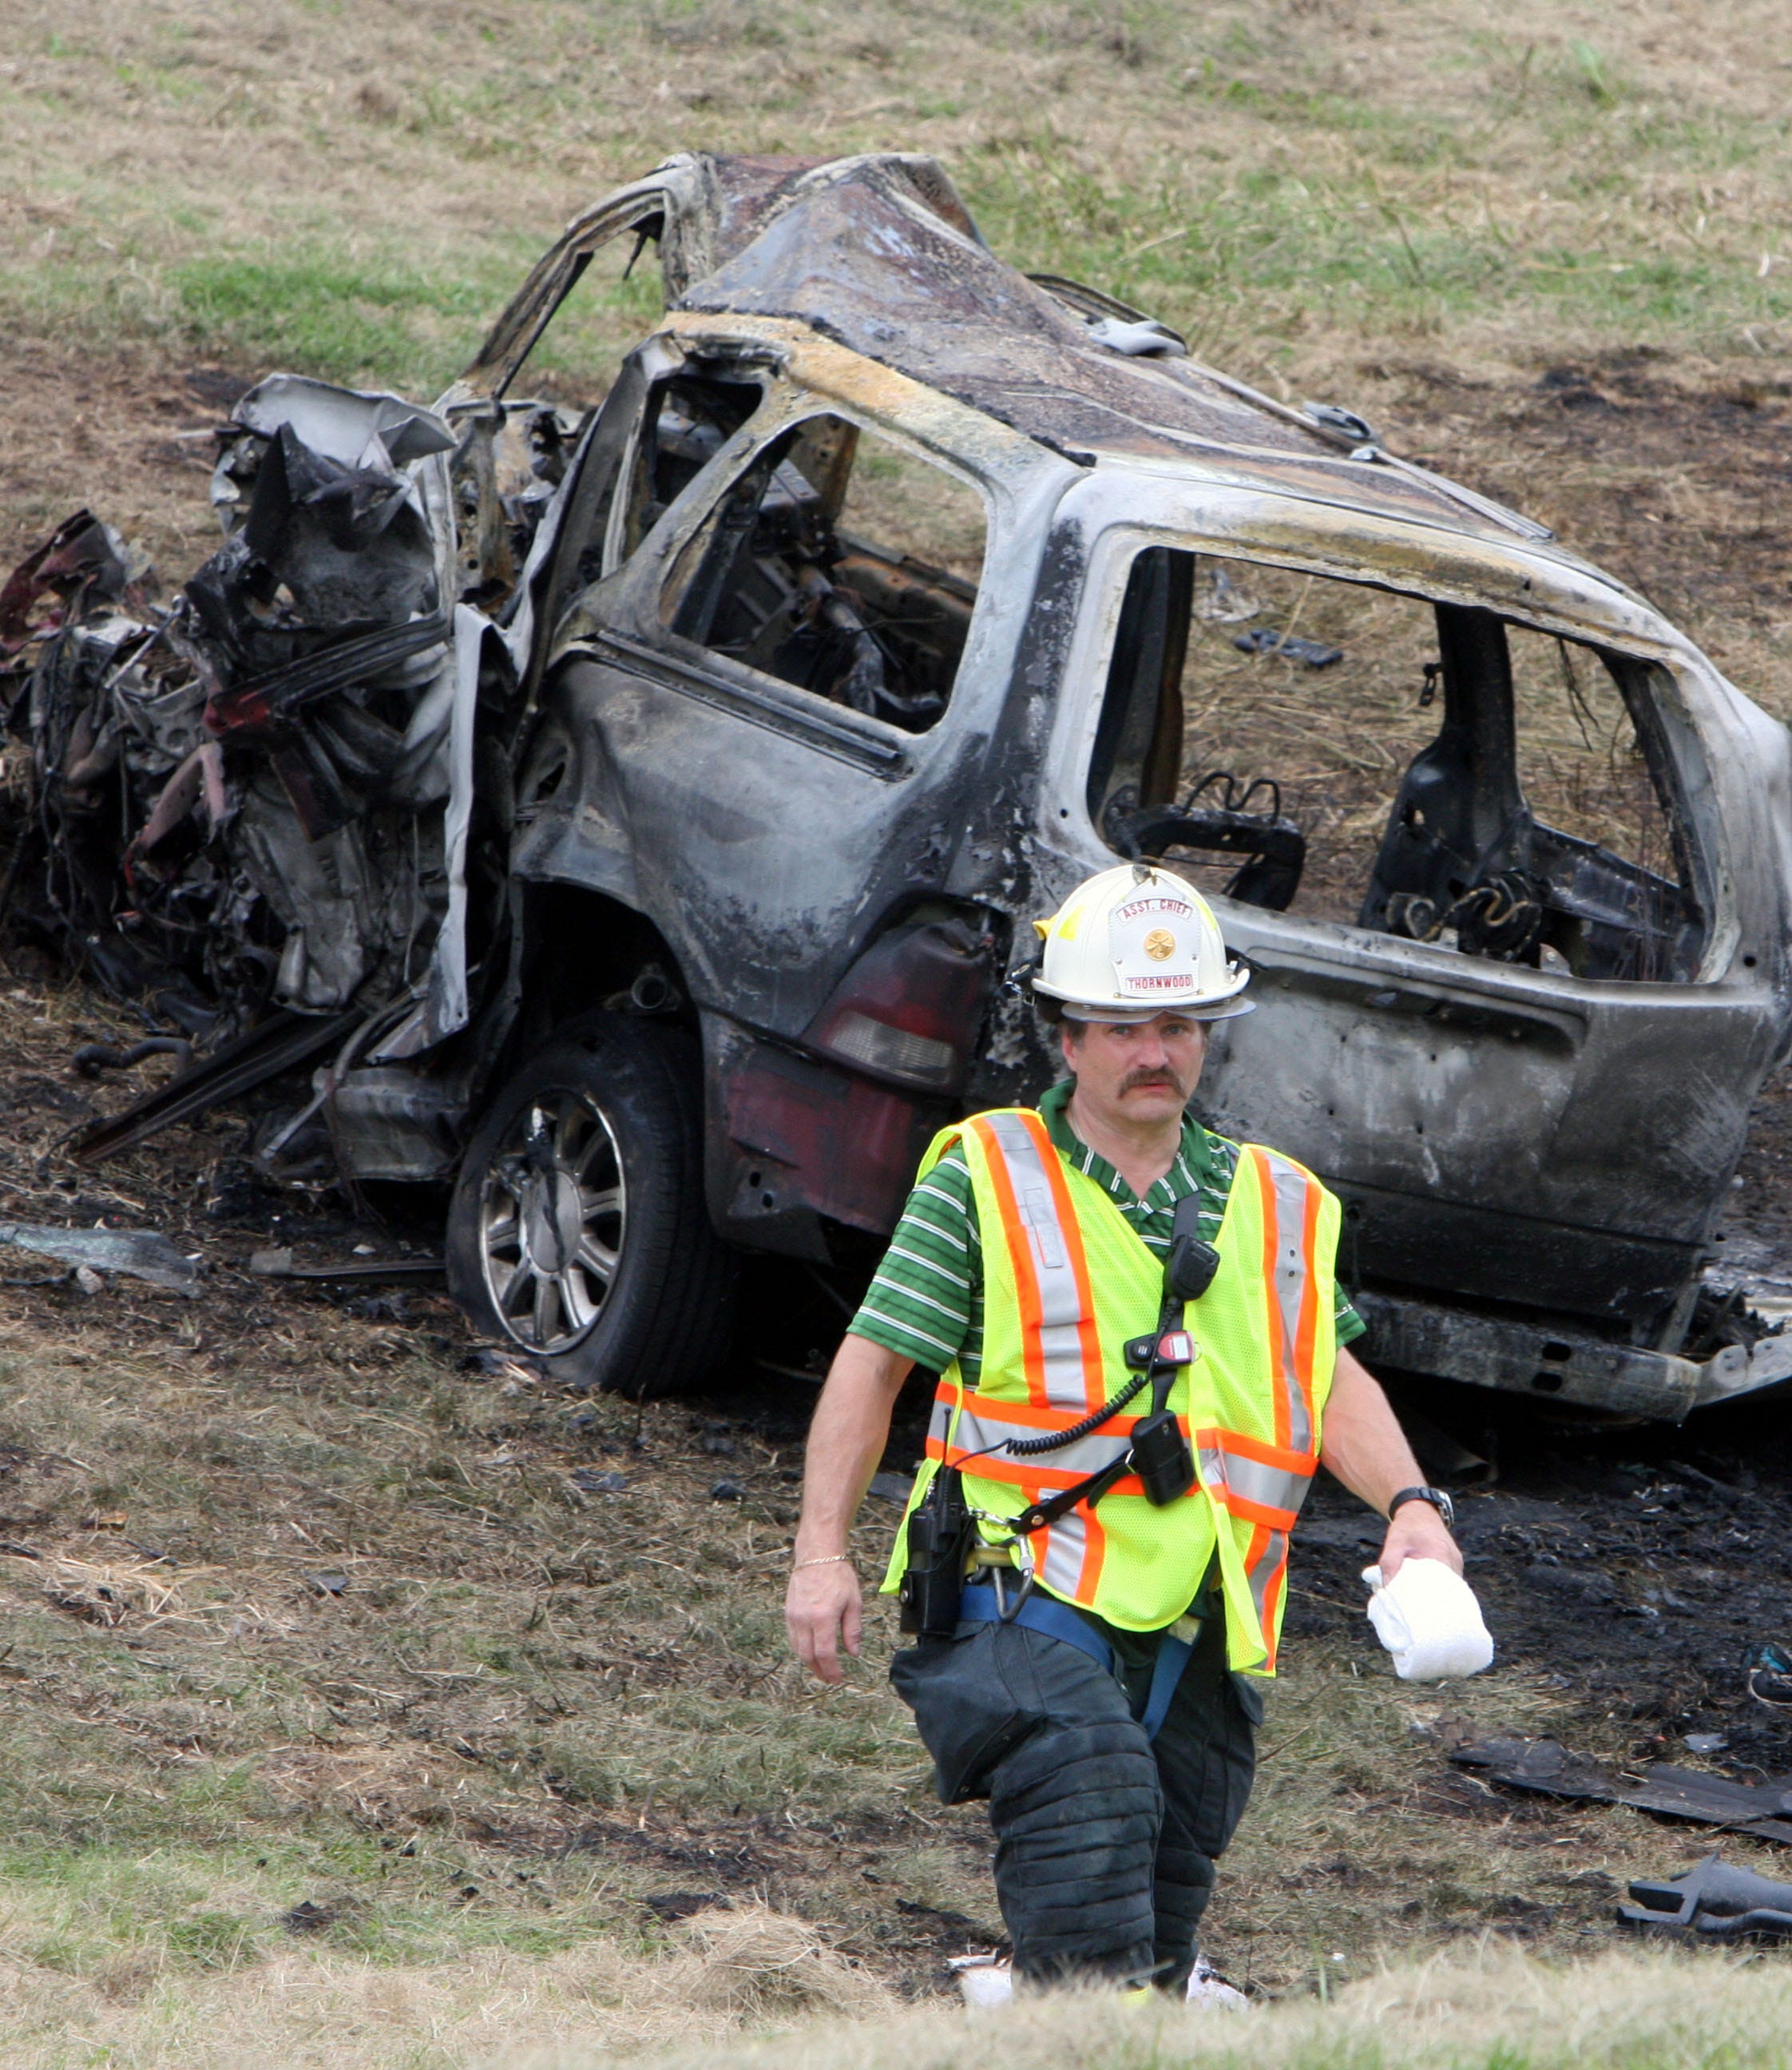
(982, 1980)
(1428, 1619)
(1213, 1994)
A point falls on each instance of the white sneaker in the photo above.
(1208, 1990)
(984, 1980)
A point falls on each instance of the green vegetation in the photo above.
(354, 192)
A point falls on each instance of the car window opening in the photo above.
(841, 564)
(1341, 752)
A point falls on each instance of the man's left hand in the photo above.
(1417, 1533)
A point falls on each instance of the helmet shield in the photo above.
(1136, 942)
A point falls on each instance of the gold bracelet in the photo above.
(827, 1560)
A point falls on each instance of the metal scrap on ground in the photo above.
(138, 1254)
(1546, 1767)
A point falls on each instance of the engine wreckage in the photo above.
(626, 817)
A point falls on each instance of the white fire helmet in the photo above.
(1136, 942)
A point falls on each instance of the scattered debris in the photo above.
(1706, 1742)
(1291, 646)
(279, 1263)
(91, 1058)
(983, 1981)
(667, 1905)
(1769, 1669)
(82, 565)
(1716, 1901)
(307, 1917)
(1763, 1809)
(727, 1492)
(590, 1482)
(139, 1253)
(1210, 1991)
(328, 1585)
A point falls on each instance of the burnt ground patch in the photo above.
(1673, 474)
(1632, 1569)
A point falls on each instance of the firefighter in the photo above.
(1114, 1582)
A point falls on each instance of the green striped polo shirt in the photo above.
(926, 1302)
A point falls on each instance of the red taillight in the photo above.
(909, 1008)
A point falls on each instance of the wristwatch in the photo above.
(1438, 1500)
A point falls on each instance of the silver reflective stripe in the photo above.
(1268, 1566)
(940, 1429)
(1290, 1208)
(1060, 1300)
(1040, 1213)
(1087, 1455)
(1269, 1488)
(1061, 1568)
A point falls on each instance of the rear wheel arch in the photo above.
(584, 951)
(577, 1233)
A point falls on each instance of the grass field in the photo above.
(536, 1775)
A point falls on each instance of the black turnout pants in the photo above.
(1105, 1840)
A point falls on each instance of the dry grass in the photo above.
(1491, 2009)
(1315, 191)
(721, 1970)
(746, 1989)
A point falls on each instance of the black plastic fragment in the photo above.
(1266, 639)
(1546, 1766)
(1716, 1901)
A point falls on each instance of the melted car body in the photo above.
(719, 745)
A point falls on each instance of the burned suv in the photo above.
(631, 818)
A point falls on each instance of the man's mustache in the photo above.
(1135, 1080)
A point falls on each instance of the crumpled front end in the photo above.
(242, 800)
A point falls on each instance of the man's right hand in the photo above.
(823, 1612)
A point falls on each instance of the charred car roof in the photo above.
(880, 254)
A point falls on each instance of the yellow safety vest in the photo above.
(1067, 1281)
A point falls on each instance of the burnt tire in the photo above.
(578, 1235)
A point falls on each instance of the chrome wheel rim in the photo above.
(553, 1214)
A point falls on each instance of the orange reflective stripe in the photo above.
(1060, 1339)
(1025, 1416)
(1266, 1566)
(1275, 1335)
(1094, 1548)
(1265, 1515)
(993, 1408)
(1094, 1391)
(1241, 1446)
(1291, 1201)
(1262, 1484)
(1306, 1338)
(1020, 1251)
(1028, 1475)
